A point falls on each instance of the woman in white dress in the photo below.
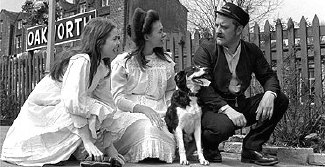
(69, 111)
(142, 83)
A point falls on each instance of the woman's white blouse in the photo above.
(76, 94)
(152, 86)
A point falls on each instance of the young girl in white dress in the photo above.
(70, 110)
(142, 83)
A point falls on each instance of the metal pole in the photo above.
(50, 37)
(214, 16)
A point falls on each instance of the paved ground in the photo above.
(228, 160)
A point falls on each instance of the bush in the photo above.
(9, 106)
(303, 125)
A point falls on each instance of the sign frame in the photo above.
(41, 31)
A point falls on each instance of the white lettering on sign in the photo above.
(60, 31)
(37, 38)
(67, 29)
(44, 32)
(30, 38)
(77, 21)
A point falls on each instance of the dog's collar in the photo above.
(192, 94)
(189, 93)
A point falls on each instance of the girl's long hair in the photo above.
(142, 23)
(93, 37)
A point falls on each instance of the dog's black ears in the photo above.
(180, 79)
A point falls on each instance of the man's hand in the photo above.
(236, 117)
(265, 108)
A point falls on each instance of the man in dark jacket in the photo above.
(232, 62)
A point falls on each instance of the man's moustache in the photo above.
(219, 36)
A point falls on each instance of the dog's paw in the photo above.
(183, 160)
(204, 162)
(202, 159)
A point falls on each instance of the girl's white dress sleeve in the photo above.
(74, 90)
(120, 77)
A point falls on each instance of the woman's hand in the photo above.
(112, 152)
(151, 114)
(93, 151)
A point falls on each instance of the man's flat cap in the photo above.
(235, 12)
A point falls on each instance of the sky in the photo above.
(298, 8)
(289, 8)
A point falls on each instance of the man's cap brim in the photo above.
(228, 14)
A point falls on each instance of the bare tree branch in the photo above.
(201, 14)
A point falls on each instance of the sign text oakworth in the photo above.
(66, 30)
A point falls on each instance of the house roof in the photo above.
(11, 15)
(67, 6)
(23, 15)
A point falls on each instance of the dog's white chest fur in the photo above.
(188, 116)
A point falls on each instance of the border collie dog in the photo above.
(184, 113)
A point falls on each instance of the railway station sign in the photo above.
(66, 30)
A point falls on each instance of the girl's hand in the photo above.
(93, 151)
(112, 152)
(151, 114)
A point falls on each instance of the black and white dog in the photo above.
(184, 113)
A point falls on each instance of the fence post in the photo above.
(2, 68)
(291, 43)
(1, 79)
(43, 63)
(303, 52)
(304, 89)
(9, 78)
(292, 61)
(267, 42)
(180, 45)
(38, 69)
(196, 41)
(34, 70)
(25, 77)
(14, 77)
(257, 35)
(279, 51)
(188, 46)
(173, 43)
(29, 72)
(19, 92)
(318, 67)
(245, 35)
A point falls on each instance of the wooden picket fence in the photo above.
(19, 75)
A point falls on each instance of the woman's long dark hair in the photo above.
(142, 23)
(93, 37)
